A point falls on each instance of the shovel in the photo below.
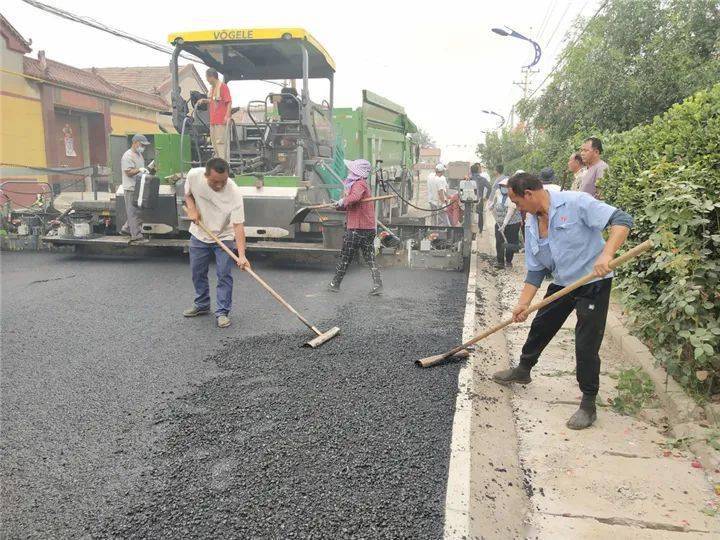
(512, 248)
(631, 254)
(301, 214)
(321, 337)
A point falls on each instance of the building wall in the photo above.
(21, 125)
(127, 119)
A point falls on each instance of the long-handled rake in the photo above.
(301, 214)
(631, 254)
(320, 337)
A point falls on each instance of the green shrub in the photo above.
(667, 175)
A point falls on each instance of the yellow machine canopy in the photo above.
(257, 53)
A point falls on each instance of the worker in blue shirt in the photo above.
(563, 238)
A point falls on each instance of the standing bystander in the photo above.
(576, 166)
(596, 167)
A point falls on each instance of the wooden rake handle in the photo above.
(260, 280)
(369, 199)
(622, 259)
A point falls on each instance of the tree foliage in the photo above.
(633, 61)
(667, 175)
(424, 139)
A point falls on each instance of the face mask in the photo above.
(141, 149)
(504, 191)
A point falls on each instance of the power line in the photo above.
(548, 14)
(560, 21)
(560, 42)
(567, 48)
(94, 23)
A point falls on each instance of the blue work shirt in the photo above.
(575, 225)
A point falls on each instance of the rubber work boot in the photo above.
(195, 311)
(585, 416)
(333, 287)
(376, 290)
(223, 321)
(513, 375)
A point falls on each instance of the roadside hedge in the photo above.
(667, 176)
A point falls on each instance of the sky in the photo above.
(439, 60)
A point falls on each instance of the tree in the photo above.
(423, 138)
(634, 60)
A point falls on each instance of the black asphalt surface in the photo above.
(122, 419)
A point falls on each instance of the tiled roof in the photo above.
(88, 81)
(16, 41)
(148, 79)
(145, 79)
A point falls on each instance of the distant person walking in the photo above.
(507, 224)
(132, 163)
(482, 184)
(576, 166)
(437, 188)
(220, 109)
(498, 170)
(590, 152)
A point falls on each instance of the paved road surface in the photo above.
(121, 418)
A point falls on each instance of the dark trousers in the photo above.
(481, 219)
(512, 233)
(357, 240)
(591, 305)
(201, 254)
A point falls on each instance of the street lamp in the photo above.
(500, 116)
(507, 31)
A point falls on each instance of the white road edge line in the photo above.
(457, 498)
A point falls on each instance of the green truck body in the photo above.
(378, 130)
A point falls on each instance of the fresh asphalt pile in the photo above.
(349, 440)
(121, 419)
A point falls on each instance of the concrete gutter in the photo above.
(485, 497)
(457, 497)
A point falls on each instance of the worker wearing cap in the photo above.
(210, 197)
(437, 187)
(360, 225)
(132, 163)
(564, 238)
(547, 177)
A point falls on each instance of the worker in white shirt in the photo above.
(437, 187)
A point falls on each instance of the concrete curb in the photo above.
(457, 496)
(683, 412)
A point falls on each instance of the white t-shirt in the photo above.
(551, 187)
(219, 210)
(434, 184)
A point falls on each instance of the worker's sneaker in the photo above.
(376, 290)
(333, 287)
(512, 375)
(223, 321)
(195, 311)
(583, 418)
